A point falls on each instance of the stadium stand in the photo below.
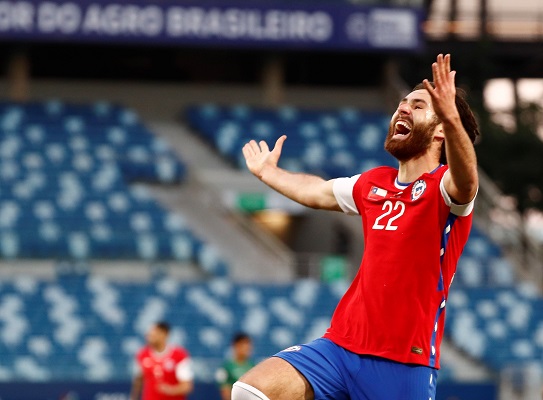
(68, 177)
(328, 143)
(90, 327)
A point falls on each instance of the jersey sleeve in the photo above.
(343, 191)
(461, 210)
(184, 371)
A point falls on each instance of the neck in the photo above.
(240, 359)
(410, 170)
(159, 348)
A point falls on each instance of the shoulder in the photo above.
(144, 351)
(180, 352)
(382, 171)
(440, 171)
(378, 172)
(431, 179)
(434, 176)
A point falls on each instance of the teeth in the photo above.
(404, 125)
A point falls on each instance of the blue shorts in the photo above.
(336, 373)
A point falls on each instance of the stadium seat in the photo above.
(89, 327)
(74, 168)
(330, 143)
(498, 324)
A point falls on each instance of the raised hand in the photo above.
(258, 155)
(443, 95)
(461, 181)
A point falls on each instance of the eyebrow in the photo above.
(405, 100)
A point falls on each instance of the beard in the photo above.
(419, 141)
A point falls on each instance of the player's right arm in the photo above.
(223, 377)
(308, 190)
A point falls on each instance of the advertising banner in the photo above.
(208, 23)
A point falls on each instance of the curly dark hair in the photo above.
(466, 116)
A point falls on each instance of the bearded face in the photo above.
(408, 140)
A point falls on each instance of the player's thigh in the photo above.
(381, 379)
(278, 380)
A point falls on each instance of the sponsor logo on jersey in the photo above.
(293, 348)
(418, 189)
(416, 350)
(377, 193)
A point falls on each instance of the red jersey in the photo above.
(413, 235)
(170, 367)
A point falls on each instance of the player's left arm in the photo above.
(462, 181)
(185, 376)
(225, 387)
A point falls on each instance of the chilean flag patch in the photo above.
(377, 193)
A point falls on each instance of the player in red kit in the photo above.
(384, 337)
(164, 371)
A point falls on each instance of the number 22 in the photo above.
(388, 207)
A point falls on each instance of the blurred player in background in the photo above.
(164, 371)
(384, 338)
(237, 365)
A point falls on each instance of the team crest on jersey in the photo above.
(418, 189)
(169, 365)
(293, 348)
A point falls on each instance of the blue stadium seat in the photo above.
(88, 327)
(330, 143)
(70, 168)
(498, 324)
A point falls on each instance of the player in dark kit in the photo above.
(384, 338)
(239, 363)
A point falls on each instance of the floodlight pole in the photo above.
(273, 80)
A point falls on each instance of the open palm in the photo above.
(258, 155)
(444, 93)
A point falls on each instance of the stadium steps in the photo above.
(210, 175)
(463, 368)
(502, 222)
